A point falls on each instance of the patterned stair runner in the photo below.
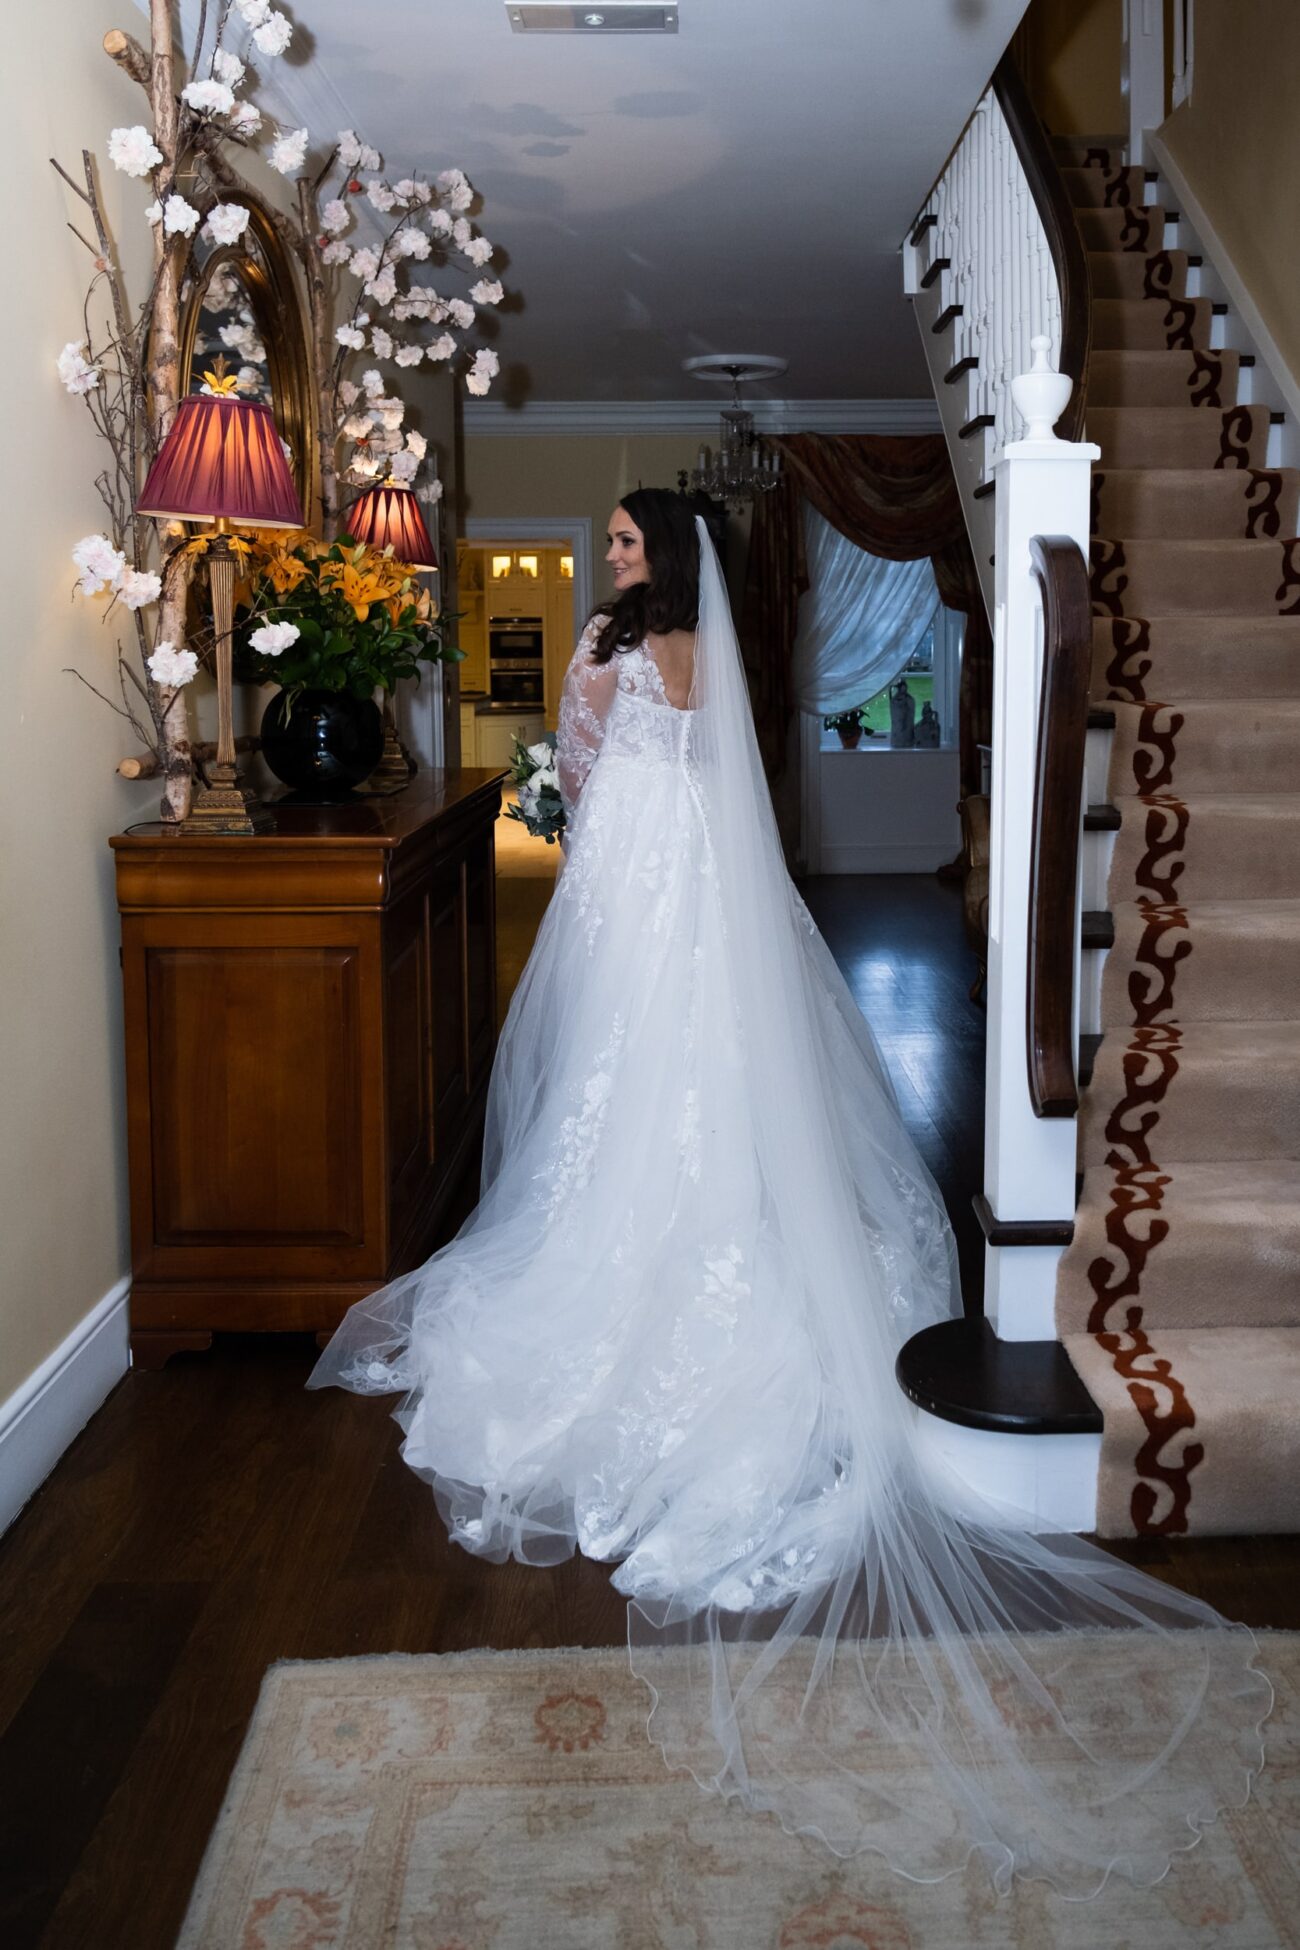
(1179, 1299)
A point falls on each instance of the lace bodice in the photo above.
(588, 719)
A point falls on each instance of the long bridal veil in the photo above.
(886, 1663)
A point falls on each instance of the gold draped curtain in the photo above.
(895, 496)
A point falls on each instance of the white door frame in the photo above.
(571, 531)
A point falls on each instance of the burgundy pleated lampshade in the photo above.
(389, 514)
(223, 458)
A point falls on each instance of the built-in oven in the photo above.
(515, 667)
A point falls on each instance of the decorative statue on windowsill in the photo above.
(928, 731)
(902, 715)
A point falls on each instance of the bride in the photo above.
(666, 1336)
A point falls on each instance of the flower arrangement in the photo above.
(124, 363)
(333, 616)
(532, 768)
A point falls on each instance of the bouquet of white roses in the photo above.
(533, 770)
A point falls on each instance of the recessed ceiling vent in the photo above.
(607, 17)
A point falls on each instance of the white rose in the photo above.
(540, 754)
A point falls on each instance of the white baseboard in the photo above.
(54, 1404)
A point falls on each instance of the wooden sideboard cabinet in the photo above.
(310, 1026)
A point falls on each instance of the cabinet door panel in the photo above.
(447, 1000)
(480, 961)
(408, 1031)
(255, 1094)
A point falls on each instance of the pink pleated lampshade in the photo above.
(389, 515)
(223, 458)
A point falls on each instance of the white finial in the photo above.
(1041, 394)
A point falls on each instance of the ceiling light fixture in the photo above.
(613, 17)
(743, 467)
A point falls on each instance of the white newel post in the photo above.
(1029, 1161)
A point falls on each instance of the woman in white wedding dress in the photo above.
(666, 1337)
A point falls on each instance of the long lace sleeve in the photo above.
(580, 722)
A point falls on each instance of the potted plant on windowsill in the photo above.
(850, 725)
(331, 623)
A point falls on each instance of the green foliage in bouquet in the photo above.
(540, 808)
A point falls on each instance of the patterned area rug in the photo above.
(511, 1801)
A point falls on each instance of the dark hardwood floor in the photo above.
(215, 1517)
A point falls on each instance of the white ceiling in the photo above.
(742, 185)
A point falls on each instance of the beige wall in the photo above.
(1238, 143)
(63, 1216)
(1069, 52)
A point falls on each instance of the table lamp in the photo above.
(388, 515)
(223, 463)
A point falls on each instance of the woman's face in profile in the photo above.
(626, 554)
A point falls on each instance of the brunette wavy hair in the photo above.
(671, 598)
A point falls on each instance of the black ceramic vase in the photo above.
(326, 744)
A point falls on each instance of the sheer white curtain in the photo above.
(859, 622)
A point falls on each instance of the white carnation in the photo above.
(411, 242)
(99, 562)
(373, 381)
(488, 291)
(273, 638)
(440, 223)
(77, 375)
(274, 34)
(356, 427)
(417, 444)
(245, 120)
(136, 587)
(337, 251)
(478, 251)
(349, 149)
(370, 158)
(253, 12)
(133, 150)
(171, 667)
(409, 355)
(228, 68)
(411, 190)
(383, 289)
(455, 187)
(153, 212)
(430, 493)
(350, 336)
(462, 232)
(180, 216)
(208, 97)
(483, 371)
(440, 348)
(461, 313)
(380, 195)
(289, 153)
(364, 466)
(364, 263)
(227, 222)
(335, 218)
(250, 379)
(404, 467)
(348, 392)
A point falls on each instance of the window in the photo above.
(933, 674)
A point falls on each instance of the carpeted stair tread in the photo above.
(1202, 961)
(1233, 846)
(1104, 187)
(1144, 324)
(1230, 1257)
(1177, 378)
(1153, 275)
(1132, 227)
(1239, 1389)
(1179, 436)
(1195, 503)
(1208, 578)
(1182, 657)
(1205, 744)
(1231, 1090)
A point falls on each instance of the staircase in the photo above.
(1178, 1299)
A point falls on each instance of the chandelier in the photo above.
(742, 467)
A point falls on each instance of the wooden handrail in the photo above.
(1062, 573)
(1064, 239)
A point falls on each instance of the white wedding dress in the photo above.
(666, 1337)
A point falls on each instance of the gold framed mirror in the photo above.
(242, 300)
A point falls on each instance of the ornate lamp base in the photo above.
(227, 805)
(396, 768)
